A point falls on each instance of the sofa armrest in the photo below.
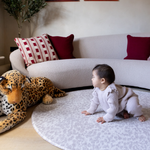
(17, 62)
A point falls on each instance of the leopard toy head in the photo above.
(12, 85)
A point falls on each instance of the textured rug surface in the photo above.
(63, 125)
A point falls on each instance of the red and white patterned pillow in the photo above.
(36, 49)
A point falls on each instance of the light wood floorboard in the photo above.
(24, 137)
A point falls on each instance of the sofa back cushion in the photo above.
(103, 46)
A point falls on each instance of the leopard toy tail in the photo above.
(58, 92)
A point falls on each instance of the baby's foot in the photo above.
(141, 118)
(126, 115)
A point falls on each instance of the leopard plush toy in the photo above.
(19, 92)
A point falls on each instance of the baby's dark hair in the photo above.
(105, 71)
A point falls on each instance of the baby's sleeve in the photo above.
(113, 107)
(94, 103)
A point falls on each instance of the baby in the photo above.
(114, 99)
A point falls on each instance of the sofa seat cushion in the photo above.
(72, 73)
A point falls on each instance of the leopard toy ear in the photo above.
(3, 80)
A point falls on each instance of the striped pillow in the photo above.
(36, 49)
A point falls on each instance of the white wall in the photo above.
(83, 18)
(8, 31)
(94, 18)
(1, 33)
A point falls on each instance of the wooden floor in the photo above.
(24, 137)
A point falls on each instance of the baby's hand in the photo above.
(85, 112)
(100, 119)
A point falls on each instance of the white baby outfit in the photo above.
(113, 100)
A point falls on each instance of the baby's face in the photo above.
(96, 81)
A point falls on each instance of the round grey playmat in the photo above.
(63, 125)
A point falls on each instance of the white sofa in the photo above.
(90, 51)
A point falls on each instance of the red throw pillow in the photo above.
(138, 47)
(36, 49)
(63, 46)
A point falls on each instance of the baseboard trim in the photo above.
(78, 88)
(91, 87)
